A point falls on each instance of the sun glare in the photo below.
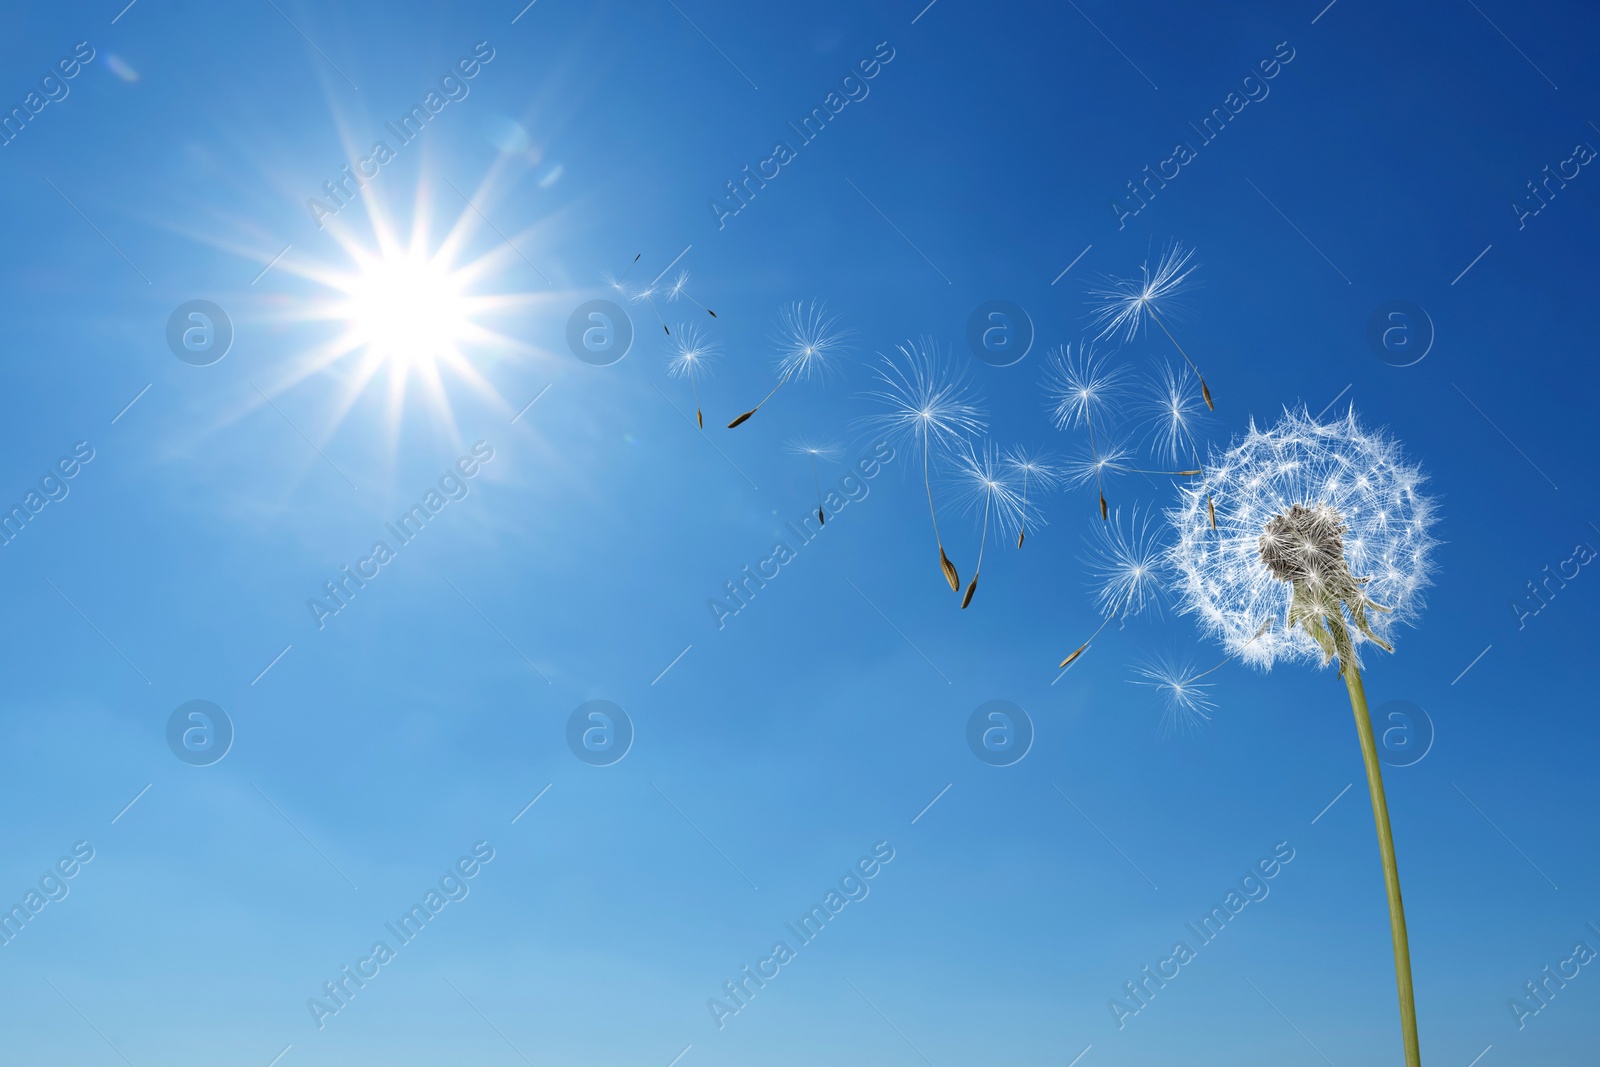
(408, 314)
(407, 309)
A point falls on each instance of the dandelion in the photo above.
(1128, 568)
(1322, 525)
(1083, 387)
(691, 353)
(984, 483)
(816, 451)
(1125, 302)
(808, 339)
(678, 290)
(930, 408)
(1034, 472)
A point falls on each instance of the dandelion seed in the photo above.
(816, 451)
(1083, 388)
(648, 295)
(619, 285)
(1322, 524)
(1034, 472)
(691, 354)
(985, 488)
(808, 339)
(1128, 567)
(929, 407)
(1187, 700)
(1185, 694)
(1124, 303)
(1172, 410)
(678, 291)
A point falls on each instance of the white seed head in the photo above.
(1327, 508)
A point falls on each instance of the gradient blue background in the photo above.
(808, 729)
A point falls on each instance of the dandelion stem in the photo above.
(1391, 871)
(1204, 389)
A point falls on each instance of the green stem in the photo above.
(1391, 872)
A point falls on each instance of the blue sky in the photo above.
(1380, 163)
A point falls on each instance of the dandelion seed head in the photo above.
(926, 404)
(1128, 565)
(808, 339)
(1082, 385)
(690, 351)
(1120, 304)
(679, 284)
(1328, 506)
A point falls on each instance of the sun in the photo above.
(407, 308)
(413, 315)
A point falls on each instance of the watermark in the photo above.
(1253, 888)
(199, 332)
(1400, 333)
(599, 733)
(854, 88)
(999, 733)
(599, 332)
(345, 189)
(1541, 595)
(1407, 737)
(1540, 195)
(53, 488)
(739, 596)
(52, 888)
(1541, 993)
(1255, 89)
(851, 888)
(1000, 333)
(454, 485)
(54, 88)
(453, 887)
(199, 733)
